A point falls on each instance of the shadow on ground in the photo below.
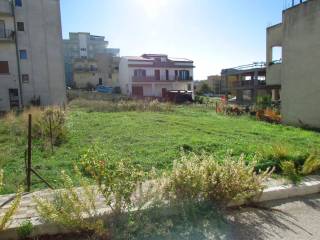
(296, 218)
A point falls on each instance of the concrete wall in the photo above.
(274, 39)
(301, 61)
(300, 94)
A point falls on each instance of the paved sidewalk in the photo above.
(291, 219)
(27, 209)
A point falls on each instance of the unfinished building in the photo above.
(245, 83)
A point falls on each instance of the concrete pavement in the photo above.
(292, 219)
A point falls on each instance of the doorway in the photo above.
(2, 29)
(157, 74)
(137, 91)
(14, 98)
(164, 92)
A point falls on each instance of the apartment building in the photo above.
(83, 45)
(31, 57)
(296, 68)
(152, 75)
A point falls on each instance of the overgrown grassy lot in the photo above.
(152, 139)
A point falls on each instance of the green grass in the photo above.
(150, 139)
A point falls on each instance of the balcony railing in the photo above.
(85, 69)
(7, 35)
(162, 79)
(248, 83)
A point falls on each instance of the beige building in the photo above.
(296, 70)
(216, 84)
(83, 45)
(86, 74)
(152, 75)
(31, 53)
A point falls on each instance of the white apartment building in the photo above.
(31, 53)
(152, 75)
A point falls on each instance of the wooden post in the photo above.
(29, 153)
(51, 137)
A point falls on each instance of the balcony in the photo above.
(5, 7)
(248, 84)
(86, 69)
(162, 79)
(7, 35)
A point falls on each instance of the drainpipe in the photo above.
(18, 57)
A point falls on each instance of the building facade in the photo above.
(297, 68)
(152, 75)
(31, 53)
(83, 45)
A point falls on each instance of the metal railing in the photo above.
(7, 34)
(154, 79)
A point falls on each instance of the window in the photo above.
(23, 54)
(18, 3)
(184, 75)
(20, 26)
(167, 74)
(139, 73)
(4, 67)
(83, 49)
(100, 81)
(25, 78)
(189, 87)
(276, 55)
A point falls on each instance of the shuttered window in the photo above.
(4, 67)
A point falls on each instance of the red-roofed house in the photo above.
(152, 75)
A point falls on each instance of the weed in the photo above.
(25, 229)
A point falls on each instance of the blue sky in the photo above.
(215, 34)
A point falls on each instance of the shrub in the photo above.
(42, 118)
(25, 229)
(290, 171)
(204, 178)
(116, 181)
(4, 220)
(123, 106)
(312, 164)
(264, 102)
(71, 208)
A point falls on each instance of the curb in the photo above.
(309, 186)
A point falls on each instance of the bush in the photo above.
(71, 208)
(123, 106)
(42, 118)
(206, 179)
(290, 171)
(312, 164)
(116, 181)
(25, 229)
